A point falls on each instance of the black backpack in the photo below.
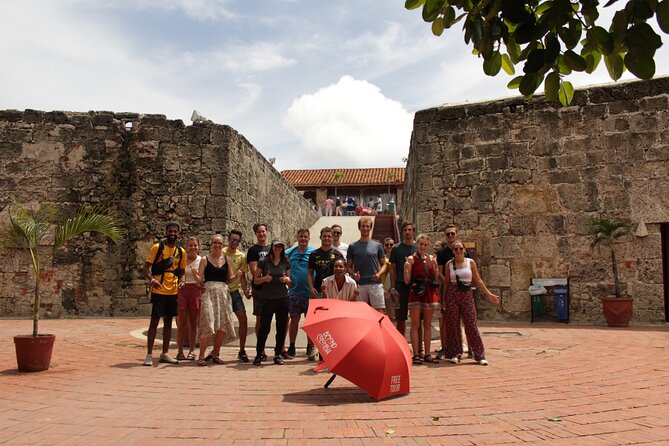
(160, 268)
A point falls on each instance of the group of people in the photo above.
(401, 280)
(335, 206)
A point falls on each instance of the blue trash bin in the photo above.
(561, 304)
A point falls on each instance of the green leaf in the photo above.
(642, 36)
(449, 17)
(591, 15)
(413, 4)
(438, 26)
(662, 15)
(574, 61)
(592, 59)
(551, 86)
(514, 50)
(514, 83)
(571, 35)
(493, 64)
(601, 38)
(615, 65)
(525, 33)
(552, 49)
(563, 68)
(530, 83)
(535, 61)
(507, 65)
(431, 9)
(640, 63)
(566, 93)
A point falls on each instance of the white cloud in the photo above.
(197, 9)
(349, 124)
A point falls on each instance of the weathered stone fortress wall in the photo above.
(521, 178)
(152, 170)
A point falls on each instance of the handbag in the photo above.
(418, 287)
(462, 286)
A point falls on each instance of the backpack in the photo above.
(160, 268)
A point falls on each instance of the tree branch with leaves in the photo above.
(553, 38)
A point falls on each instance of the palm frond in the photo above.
(90, 219)
(24, 231)
(604, 231)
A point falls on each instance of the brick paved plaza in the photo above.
(548, 384)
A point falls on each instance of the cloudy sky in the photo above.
(315, 84)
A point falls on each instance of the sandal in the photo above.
(191, 356)
(417, 360)
(430, 359)
(217, 360)
(202, 362)
(181, 357)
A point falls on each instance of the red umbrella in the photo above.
(360, 344)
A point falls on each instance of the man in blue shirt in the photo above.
(299, 293)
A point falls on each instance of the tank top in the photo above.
(464, 273)
(215, 274)
(192, 266)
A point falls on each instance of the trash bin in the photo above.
(561, 304)
(538, 305)
(538, 292)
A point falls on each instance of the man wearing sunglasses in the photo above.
(237, 287)
(336, 244)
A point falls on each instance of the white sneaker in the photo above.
(165, 358)
(148, 361)
(483, 362)
(454, 360)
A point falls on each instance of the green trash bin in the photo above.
(538, 304)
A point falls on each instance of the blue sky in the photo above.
(314, 84)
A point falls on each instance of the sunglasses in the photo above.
(234, 240)
(458, 249)
(388, 244)
(450, 234)
(336, 233)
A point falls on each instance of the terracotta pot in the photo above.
(617, 312)
(33, 354)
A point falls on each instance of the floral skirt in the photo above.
(216, 311)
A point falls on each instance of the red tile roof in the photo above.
(349, 177)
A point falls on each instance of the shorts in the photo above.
(403, 311)
(164, 305)
(189, 297)
(297, 304)
(257, 304)
(373, 295)
(237, 302)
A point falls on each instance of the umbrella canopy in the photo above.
(360, 344)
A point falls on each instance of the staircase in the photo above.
(385, 226)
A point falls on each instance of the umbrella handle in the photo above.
(330, 380)
(381, 319)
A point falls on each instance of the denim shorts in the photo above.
(297, 304)
(237, 302)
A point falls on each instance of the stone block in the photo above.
(498, 276)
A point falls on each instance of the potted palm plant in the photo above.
(604, 232)
(33, 232)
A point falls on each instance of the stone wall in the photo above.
(521, 178)
(152, 170)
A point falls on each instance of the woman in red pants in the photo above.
(459, 305)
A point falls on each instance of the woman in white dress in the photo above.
(216, 309)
